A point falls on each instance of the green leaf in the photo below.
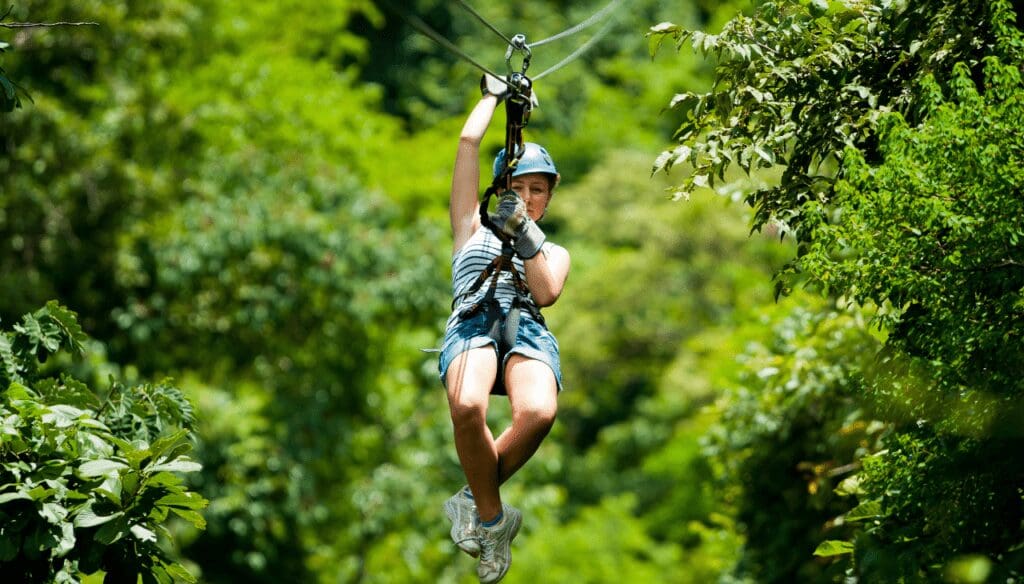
(40, 334)
(67, 321)
(99, 468)
(163, 479)
(193, 517)
(143, 534)
(183, 500)
(833, 547)
(40, 492)
(88, 518)
(17, 496)
(16, 391)
(53, 513)
(156, 575)
(179, 573)
(11, 366)
(112, 496)
(866, 510)
(112, 530)
(850, 486)
(657, 33)
(62, 416)
(75, 393)
(162, 445)
(93, 424)
(182, 464)
(67, 540)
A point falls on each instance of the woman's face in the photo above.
(535, 190)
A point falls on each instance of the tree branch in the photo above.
(44, 24)
(38, 24)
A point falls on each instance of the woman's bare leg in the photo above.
(533, 394)
(470, 378)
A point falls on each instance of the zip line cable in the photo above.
(484, 21)
(433, 35)
(586, 23)
(578, 52)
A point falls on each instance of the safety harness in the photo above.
(504, 328)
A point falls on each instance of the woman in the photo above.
(470, 365)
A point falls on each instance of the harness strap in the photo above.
(492, 272)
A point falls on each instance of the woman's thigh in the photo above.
(471, 375)
(532, 387)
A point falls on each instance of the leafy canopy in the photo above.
(89, 480)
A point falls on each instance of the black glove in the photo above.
(490, 85)
(513, 220)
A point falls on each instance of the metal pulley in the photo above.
(520, 89)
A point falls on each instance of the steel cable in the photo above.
(586, 23)
(484, 21)
(578, 52)
(435, 36)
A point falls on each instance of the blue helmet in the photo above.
(534, 159)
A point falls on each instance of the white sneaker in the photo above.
(496, 545)
(461, 511)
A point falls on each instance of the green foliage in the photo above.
(799, 81)
(895, 126)
(611, 541)
(929, 236)
(939, 200)
(941, 497)
(9, 90)
(89, 480)
(789, 434)
(83, 162)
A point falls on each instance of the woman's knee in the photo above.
(467, 410)
(537, 413)
(533, 391)
(468, 407)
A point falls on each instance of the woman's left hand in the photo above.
(513, 220)
(511, 213)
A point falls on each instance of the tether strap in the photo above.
(517, 115)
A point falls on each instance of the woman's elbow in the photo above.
(545, 299)
(469, 140)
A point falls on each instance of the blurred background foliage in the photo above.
(250, 198)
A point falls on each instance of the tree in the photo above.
(892, 123)
(88, 475)
(800, 80)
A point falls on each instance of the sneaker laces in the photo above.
(488, 547)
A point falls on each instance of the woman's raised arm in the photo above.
(464, 205)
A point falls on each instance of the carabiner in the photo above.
(518, 45)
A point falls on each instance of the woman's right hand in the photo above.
(491, 85)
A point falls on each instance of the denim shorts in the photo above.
(533, 341)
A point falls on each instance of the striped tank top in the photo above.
(470, 261)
